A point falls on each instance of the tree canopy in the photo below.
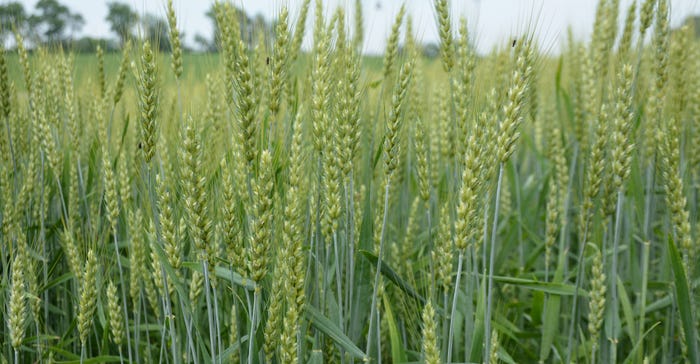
(247, 24)
(53, 22)
(12, 14)
(122, 20)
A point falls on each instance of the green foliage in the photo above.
(333, 207)
(12, 14)
(121, 19)
(52, 21)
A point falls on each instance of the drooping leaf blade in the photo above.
(397, 352)
(394, 277)
(684, 304)
(332, 330)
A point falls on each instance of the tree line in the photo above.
(51, 23)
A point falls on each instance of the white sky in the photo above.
(491, 21)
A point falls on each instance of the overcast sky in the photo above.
(491, 21)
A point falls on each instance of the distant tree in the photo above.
(211, 14)
(53, 20)
(88, 44)
(694, 23)
(431, 51)
(247, 26)
(122, 20)
(155, 29)
(259, 24)
(214, 42)
(12, 14)
(205, 44)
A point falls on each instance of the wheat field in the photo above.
(277, 204)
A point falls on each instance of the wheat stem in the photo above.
(643, 295)
(613, 276)
(492, 258)
(123, 286)
(251, 336)
(454, 307)
(210, 315)
(375, 285)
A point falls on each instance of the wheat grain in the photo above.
(174, 35)
(116, 324)
(88, 297)
(430, 348)
(392, 44)
(445, 31)
(17, 308)
(148, 105)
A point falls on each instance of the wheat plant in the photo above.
(281, 203)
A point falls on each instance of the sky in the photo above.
(491, 22)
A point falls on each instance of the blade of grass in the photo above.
(478, 338)
(626, 310)
(394, 277)
(550, 326)
(332, 330)
(316, 357)
(636, 350)
(684, 304)
(555, 288)
(397, 352)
